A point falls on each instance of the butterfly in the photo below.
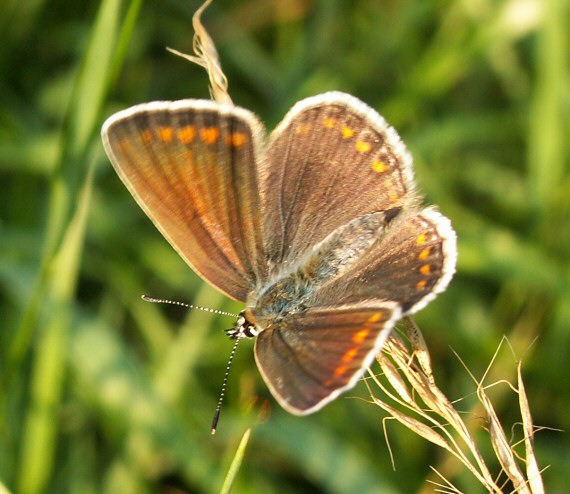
(317, 228)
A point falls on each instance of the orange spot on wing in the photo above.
(330, 122)
(340, 371)
(350, 355)
(165, 134)
(375, 318)
(424, 254)
(347, 132)
(237, 139)
(420, 285)
(425, 269)
(360, 336)
(379, 166)
(363, 146)
(421, 239)
(210, 135)
(186, 134)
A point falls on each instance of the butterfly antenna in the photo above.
(239, 336)
(154, 300)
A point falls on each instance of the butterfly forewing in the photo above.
(190, 165)
(331, 160)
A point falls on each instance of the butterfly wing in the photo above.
(330, 160)
(411, 262)
(308, 359)
(357, 247)
(192, 167)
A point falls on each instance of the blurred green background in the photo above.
(102, 392)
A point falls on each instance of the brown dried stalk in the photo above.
(408, 383)
(206, 56)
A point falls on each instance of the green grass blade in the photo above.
(236, 464)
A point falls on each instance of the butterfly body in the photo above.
(317, 229)
(323, 264)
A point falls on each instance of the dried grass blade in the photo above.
(502, 447)
(532, 469)
(416, 426)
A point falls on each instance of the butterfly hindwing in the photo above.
(411, 262)
(310, 358)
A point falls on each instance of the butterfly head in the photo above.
(243, 328)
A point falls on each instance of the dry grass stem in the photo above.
(408, 383)
(207, 57)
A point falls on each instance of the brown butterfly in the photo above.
(317, 228)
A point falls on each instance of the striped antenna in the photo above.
(148, 298)
(238, 336)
